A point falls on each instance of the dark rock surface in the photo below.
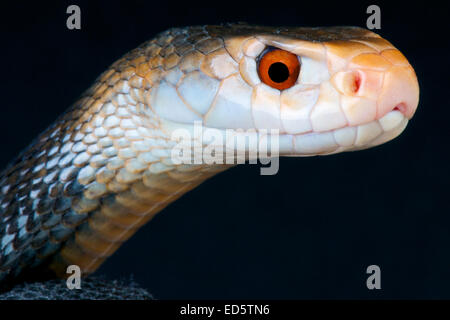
(93, 288)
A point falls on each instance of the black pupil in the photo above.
(278, 72)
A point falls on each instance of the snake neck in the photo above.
(86, 185)
(122, 213)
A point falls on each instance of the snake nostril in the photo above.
(351, 82)
(356, 82)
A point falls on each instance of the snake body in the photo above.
(104, 168)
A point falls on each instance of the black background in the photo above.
(308, 232)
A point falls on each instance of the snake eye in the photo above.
(278, 68)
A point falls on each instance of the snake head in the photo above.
(352, 89)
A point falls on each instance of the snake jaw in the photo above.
(348, 138)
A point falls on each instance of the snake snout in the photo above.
(400, 92)
(375, 84)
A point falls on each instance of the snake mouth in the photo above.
(401, 107)
(349, 138)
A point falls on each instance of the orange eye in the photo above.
(279, 69)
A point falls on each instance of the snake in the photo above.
(105, 167)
